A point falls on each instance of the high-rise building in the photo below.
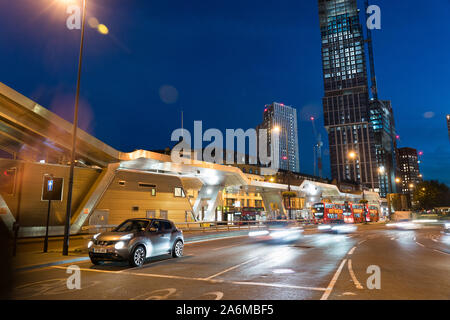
(285, 118)
(408, 167)
(383, 125)
(360, 128)
(448, 125)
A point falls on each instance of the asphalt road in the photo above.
(413, 265)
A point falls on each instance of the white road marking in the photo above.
(333, 281)
(352, 274)
(441, 252)
(362, 241)
(232, 268)
(275, 285)
(351, 250)
(392, 238)
(420, 244)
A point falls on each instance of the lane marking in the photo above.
(86, 269)
(392, 238)
(231, 268)
(352, 274)
(351, 250)
(362, 241)
(275, 285)
(420, 244)
(333, 281)
(441, 252)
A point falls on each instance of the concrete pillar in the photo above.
(273, 197)
(211, 195)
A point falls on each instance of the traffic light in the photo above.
(8, 180)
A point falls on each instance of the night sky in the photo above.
(221, 62)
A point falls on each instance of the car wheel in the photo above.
(95, 261)
(177, 250)
(137, 258)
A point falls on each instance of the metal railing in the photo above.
(211, 226)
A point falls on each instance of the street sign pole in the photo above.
(52, 190)
(46, 227)
(65, 250)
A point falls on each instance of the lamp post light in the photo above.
(352, 155)
(74, 140)
(278, 130)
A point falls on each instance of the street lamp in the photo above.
(352, 155)
(277, 129)
(74, 140)
(398, 180)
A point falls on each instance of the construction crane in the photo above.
(317, 149)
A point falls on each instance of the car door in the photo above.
(156, 235)
(167, 235)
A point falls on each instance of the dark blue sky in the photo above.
(226, 59)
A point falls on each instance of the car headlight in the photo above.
(447, 226)
(119, 245)
(258, 233)
(96, 235)
(127, 237)
(90, 243)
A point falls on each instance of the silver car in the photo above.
(134, 240)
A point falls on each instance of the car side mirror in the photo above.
(152, 229)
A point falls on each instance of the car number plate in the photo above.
(99, 250)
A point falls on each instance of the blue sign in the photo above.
(52, 188)
(50, 185)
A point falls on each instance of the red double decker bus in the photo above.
(356, 213)
(372, 213)
(324, 212)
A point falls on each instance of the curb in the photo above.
(38, 266)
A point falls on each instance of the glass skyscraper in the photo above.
(356, 124)
(285, 118)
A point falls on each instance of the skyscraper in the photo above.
(360, 128)
(383, 125)
(448, 125)
(285, 118)
(408, 165)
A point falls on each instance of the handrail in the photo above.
(213, 225)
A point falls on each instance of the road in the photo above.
(413, 265)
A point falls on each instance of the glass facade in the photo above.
(355, 122)
(284, 117)
(346, 100)
(408, 165)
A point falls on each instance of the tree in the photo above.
(431, 194)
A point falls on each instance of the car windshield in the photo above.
(132, 225)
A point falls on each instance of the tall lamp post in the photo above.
(74, 140)
(352, 155)
(278, 130)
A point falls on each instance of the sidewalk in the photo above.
(26, 260)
